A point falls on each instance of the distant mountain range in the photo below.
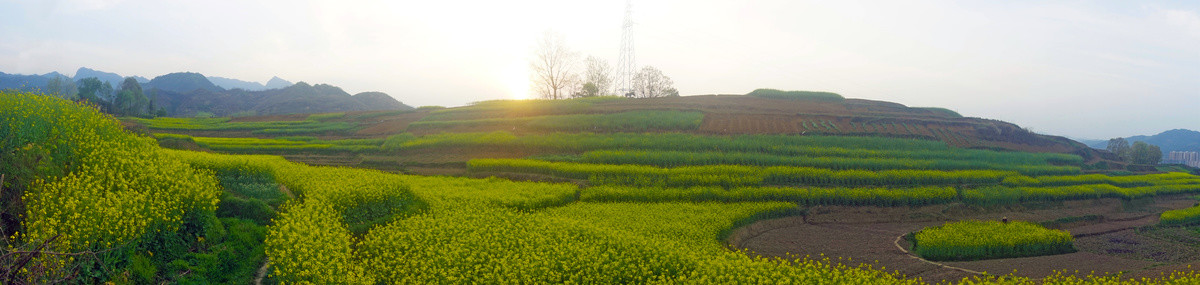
(1168, 141)
(189, 93)
(230, 83)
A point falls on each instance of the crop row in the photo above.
(314, 124)
(735, 175)
(517, 108)
(972, 240)
(1171, 178)
(874, 196)
(631, 121)
(678, 158)
(786, 145)
(1181, 216)
(1010, 195)
(254, 145)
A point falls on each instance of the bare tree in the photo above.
(651, 82)
(1119, 147)
(553, 68)
(597, 79)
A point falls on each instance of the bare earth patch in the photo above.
(1115, 240)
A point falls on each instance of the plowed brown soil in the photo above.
(1118, 241)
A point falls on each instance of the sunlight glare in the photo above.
(517, 78)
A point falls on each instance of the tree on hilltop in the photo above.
(651, 83)
(553, 68)
(597, 79)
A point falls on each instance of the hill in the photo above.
(111, 78)
(276, 83)
(375, 101)
(850, 177)
(24, 82)
(297, 98)
(1168, 141)
(705, 115)
(230, 83)
(182, 82)
(190, 93)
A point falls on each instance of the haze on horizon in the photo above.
(1084, 69)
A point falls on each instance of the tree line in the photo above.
(1138, 153)
(555, 75)
(128, 99)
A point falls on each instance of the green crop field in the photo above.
(313, 124)
(1181, 216)
(970, 240)
(605, 198)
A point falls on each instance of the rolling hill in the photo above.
(182, 82)
(230, 83)
(190, 94)
(25, 82)
(659, 184)
(704, 115)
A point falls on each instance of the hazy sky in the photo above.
(1090, 69)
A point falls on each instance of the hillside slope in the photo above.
(737, 114)
(182, 82)
(480, 130)
(203, 96)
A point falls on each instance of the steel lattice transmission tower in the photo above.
(626, 66)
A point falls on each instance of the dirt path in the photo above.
(871, 236)
(287, 192)
(262, 272)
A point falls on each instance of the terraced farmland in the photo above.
(601, 190)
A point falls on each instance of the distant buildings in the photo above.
(1189, 158)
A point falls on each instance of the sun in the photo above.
(517, 79)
